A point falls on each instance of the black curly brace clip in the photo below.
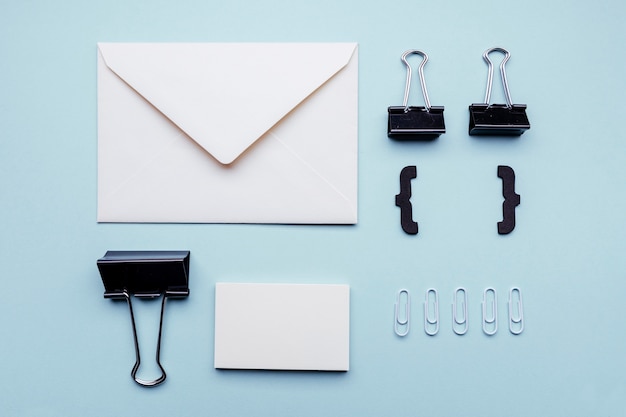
(403, 200)
(511, 199)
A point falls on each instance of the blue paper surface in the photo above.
(66, 351)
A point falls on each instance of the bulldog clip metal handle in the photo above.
(415, 122)
(145, 274)
(498, 119)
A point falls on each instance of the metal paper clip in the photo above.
(459, 325)
(490, 324)
(415, 122)
(402, 322)
(145, 274)
(498, 119)
(516, 319)
(431, 325)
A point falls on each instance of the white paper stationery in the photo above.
(282, 326)
(227, 132)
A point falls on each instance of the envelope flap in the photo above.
(225, 96)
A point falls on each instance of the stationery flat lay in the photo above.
(344, 208)
(153, 102)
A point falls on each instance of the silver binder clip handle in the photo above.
(401, 325)
(133, 373)
(505, 84)
(409, 72)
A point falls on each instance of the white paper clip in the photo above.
(400, 323)
(490, 324)
(516, 321)
(431, 325)
(459, 322)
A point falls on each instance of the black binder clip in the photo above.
(415, 122)
(498, 119)
(145, 274)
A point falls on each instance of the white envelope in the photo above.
(227, 133)
(282, 326)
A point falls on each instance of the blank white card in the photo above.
(282, 326)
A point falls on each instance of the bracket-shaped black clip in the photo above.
(403, 200)
(415, 122)
(145, 274)
(511, 199)
(498, 119)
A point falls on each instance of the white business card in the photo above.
(282, 326)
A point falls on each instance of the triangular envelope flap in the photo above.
(225, 96)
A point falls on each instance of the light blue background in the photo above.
(66, 351)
